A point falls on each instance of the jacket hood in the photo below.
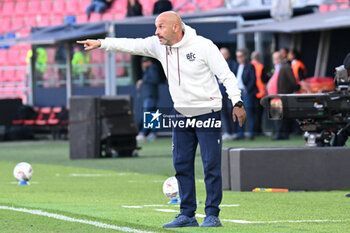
(189, 34)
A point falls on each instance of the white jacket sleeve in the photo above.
(144, 47)
(220, 68)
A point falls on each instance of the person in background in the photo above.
(60, 60)
(245, 73)
(282, 82)
(161, 6)
(261, 80)
(284, 54)
(272, 84)
(79, 62)
(298, 67)
(40, 61)
(148, 87)
(134, 8)
(229, 128)
(98, 6)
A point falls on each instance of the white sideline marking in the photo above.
(281, 221)
(85, 175)
(155, 205)
(69, 219)
(167, 210)
(132, 206)
(95, 175)
(200, 215)
(229, 205)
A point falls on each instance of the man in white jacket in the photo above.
(190, 63)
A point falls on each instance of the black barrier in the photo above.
(101, 127)
(298, 168)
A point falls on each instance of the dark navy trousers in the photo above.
(185, 141)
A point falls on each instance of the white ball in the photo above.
(171, 188)
(23, 171)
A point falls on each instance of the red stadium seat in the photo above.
(209, 4)
(84, 4)
(50, 55)
(118, 57)
(82, 18)
(119, 16)
(97, 56)
(57, 20)
(32, 20)
(9, 89)
(120, 7)
(24, 31)
(333, 7)
(72, 7)
(323, 8)
(20, 75)
(54, 116)
(59, 6)
(147, 6)
(95, 17)
(107, 16)
(127, 57)
(44, 21)
(29, 122)
(98, 72)
(5, 24)
(21, 7)
(8, 8)
(344, 6)
(46, 6)
(34, 7)
(9, 75)
(22, 56)
(3, 56)
(18, 22)
(44, 114)
(13, 56)
(120, 71)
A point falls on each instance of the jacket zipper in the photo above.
(178, 63)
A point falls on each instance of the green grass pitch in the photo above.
(126, 193)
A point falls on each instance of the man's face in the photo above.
(276, 58)
(225, 53)
(145, 65)
(241, 58)
(164, 31)
(283, 53)
(291, 56)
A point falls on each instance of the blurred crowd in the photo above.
(134, 7)
(255, 82)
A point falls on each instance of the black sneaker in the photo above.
(211, 221)
(182, 221)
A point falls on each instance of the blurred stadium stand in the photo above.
(17, 17)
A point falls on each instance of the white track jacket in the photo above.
(190, 67)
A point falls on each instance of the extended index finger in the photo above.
(82, 41)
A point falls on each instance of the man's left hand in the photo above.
(239, 114)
